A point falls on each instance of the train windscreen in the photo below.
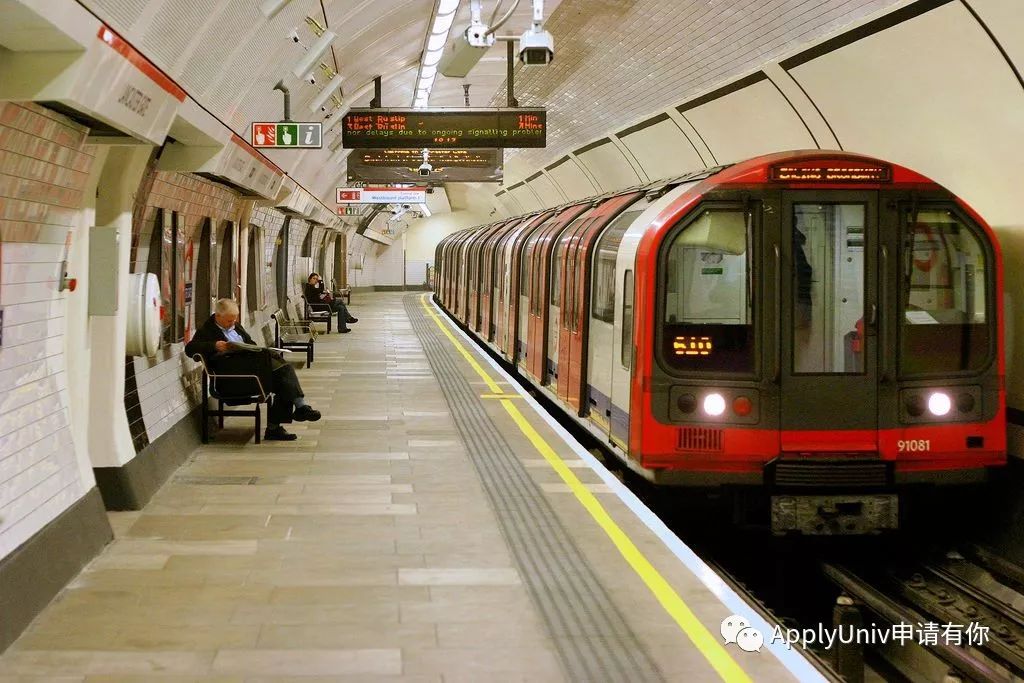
(946, 268)
(708, 322)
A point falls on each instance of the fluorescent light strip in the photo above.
(444, 17)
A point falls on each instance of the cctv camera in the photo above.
(536, 48)
(425, 168)
(294, 35)
(311, 80)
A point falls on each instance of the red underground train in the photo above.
(822, 329)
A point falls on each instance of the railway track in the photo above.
(964, 611)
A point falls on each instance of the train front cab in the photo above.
(831, 342)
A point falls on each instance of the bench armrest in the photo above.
(214, 377)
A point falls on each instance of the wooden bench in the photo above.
(230, 390)
(294, 335)
(318, 313)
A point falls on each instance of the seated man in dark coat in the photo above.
(319, 298)
(213, 340)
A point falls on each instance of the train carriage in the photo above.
(821, 327)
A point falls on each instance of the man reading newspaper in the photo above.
(228, 349)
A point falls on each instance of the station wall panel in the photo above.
(546, 190)
(525, 197)
(661, 149)
(752, 121)
(44, 167)
(1006, 22)
(571, 179)
(609, 166)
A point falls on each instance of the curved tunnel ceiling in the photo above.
(617, 61)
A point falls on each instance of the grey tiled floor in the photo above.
(364, 551)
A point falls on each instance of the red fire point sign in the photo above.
(264, 134)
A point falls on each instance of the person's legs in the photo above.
(339, 308)
(344, 311)
(286, 383)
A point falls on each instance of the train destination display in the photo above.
(404, 166)
(450, 128)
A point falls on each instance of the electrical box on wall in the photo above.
(104, 264)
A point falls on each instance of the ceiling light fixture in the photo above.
(315, 54)
(433, 48)
(270, 8)
(321, 99)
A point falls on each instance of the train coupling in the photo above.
(834, 515)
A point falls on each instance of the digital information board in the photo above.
(287, 135)
(449, 165)
(447, 128)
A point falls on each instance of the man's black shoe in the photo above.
(278, 434)
(344, 331)
(306, 414)
(352, 320)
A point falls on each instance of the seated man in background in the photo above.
(318, 297)
(214, 340)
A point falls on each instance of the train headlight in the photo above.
(714, 405)
(939, 404)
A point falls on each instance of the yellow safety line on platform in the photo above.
(702, 638)
(491, 384)
(505, 396)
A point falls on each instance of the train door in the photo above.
(515, 312)
(542, 262)
(568, 266)
(827, 355)
(576, 311)
(499, 282)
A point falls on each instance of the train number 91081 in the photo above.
(914, 445)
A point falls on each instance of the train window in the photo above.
(524, 270)
(707, 308)
(626, 354)
(946, 326)
(828, 288)
(604, 270)
(557, 275)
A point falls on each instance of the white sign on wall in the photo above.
(382, 195)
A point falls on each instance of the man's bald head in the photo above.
(225, 313)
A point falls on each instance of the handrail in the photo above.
(883, 326)
(778, 312)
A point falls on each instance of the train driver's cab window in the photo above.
(827, 285)
(707, 315)
(946, 326)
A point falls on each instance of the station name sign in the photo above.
(382, 195)
(446, 128)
